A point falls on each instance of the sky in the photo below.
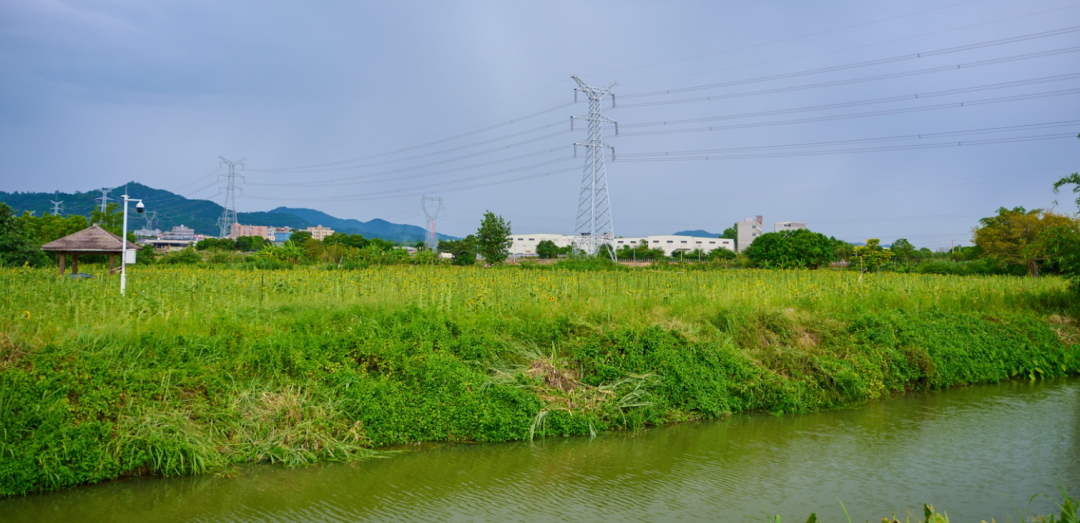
(862, 119)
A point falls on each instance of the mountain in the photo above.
(202, 215)
(371, 229)
(699, 233)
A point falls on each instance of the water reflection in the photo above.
(976, 452)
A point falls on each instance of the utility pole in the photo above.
(228, 216)
(57, 207)
(432, 207)
(104, 198)
(594, 225)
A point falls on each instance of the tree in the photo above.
(463, 251)
(547, 249)
(250, 243)
(842, 250)
(872, 255)
(1063, 245)
(348, 240)
(216, 244)
(493, 238)
(1073, 179)
(903, 250)
(299, 238)
(111, 220)
(721, 253)
(16, 246)
(1017, 236)
(730, 233)
(797, 249)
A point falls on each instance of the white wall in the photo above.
(525, 244)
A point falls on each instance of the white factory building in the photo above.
(525, 244)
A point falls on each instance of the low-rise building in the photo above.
(525, 244)
(178, 232)
(788, 226)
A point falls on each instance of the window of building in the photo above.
(532, 239)
(670, 241)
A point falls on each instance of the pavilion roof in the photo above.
(93, 240)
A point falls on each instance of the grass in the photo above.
(202, 368)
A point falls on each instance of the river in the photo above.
(977, 453)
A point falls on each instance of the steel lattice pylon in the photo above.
(228, 215)
(432, 207)
(594, 225)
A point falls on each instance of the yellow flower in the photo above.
(26, 315)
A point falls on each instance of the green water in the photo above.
(977, 453)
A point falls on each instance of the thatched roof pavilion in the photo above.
(91, 240)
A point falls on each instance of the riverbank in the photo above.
(197, 371)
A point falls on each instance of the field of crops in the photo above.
(197, 369)
(45, 305)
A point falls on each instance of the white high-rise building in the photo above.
(747, 230)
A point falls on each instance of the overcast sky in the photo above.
(359, 108)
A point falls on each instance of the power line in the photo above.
(922, 136)
(939, 145)
(427, 144)
(850, 48)
(405, 193)
(879, 61)
(362, 179)
(453, 115)
(972, 103)
(744, 48)
(443, 151)
(938, 69)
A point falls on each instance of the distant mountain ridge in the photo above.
(202, 215)
(698, 233)
(376, 228)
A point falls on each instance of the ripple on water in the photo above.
(976, 452)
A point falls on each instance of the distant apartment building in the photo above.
(747, 230)
(179, 232)
(281, 234)
(239, 230)
(319, 232)
(788, 226)
(147, 233)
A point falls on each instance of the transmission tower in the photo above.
(57, 207)
(594, 225)
(150, 217)
(104, 198)
(427, 204)
(228, 216)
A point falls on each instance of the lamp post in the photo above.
(139, 208)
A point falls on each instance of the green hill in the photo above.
(202, 215)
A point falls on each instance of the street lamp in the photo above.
(139, 208)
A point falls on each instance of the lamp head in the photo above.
(139, 207)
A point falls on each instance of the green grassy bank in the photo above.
(199, 369)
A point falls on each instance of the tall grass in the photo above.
(198, 368)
